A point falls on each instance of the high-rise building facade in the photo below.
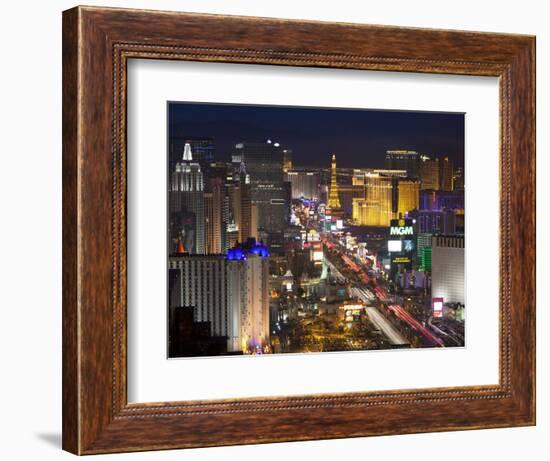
(264, 164)
(440, 200)
(435, 222)
(216, 183)
(347, 193)
(248, 281)
(407, 195)
(211, 225)
(230, 292)
(429, 200)
(214, 216)
(458, 179)
(243, 210)
(423, 241)
(203, 149)
(200, 281)
(429, 173)
(234, 200)
(451, 200)
(287, 160)
(446, 174)
(253, 221)
(448, 268)
(358, 178)
(186, 204)
(426, 258)
(232, 236)
(387, 196)
(304, 184)
(245, 197)
(403, 160)
(376, 209)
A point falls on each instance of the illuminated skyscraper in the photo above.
(386, 197)
(203, 150)
(358, 178)
(243, 210)
(186, 203)
(214, 206)
(407, 195)
(264, 164)
(200, 281)
(376, 208)
(446, 174)
(217, 178)
(245, 222)
(408, 160)
(234, 199)
(333, 199)
(429, 173)
(229, 292)
(248, 287)
(232, 236)
(346, 194)
(458, 179)
(304, 184)
(287, 160)
(448, 268)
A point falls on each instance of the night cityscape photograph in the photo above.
(306, 229)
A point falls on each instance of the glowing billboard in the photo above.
(437, 304)
(317, 256)
(395, 246)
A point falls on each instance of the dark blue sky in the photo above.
(358, 137)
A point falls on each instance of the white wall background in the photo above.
(30, 230)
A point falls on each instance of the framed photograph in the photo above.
(281, 230)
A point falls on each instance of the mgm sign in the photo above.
(401, 245)
(401, 227)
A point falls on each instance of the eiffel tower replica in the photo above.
(334, 207)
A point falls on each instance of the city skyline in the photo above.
(358, 136)
(266, 257)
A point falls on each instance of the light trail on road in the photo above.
(364, 294)
(335, 272)
(382, 294)
(385, 326)
(378, 320)
(368, 297)
(405, 316)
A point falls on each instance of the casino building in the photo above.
(229, 292)
(200, 282)
(448, 268)
(387, 195)
(304, 184)
(248, 296)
